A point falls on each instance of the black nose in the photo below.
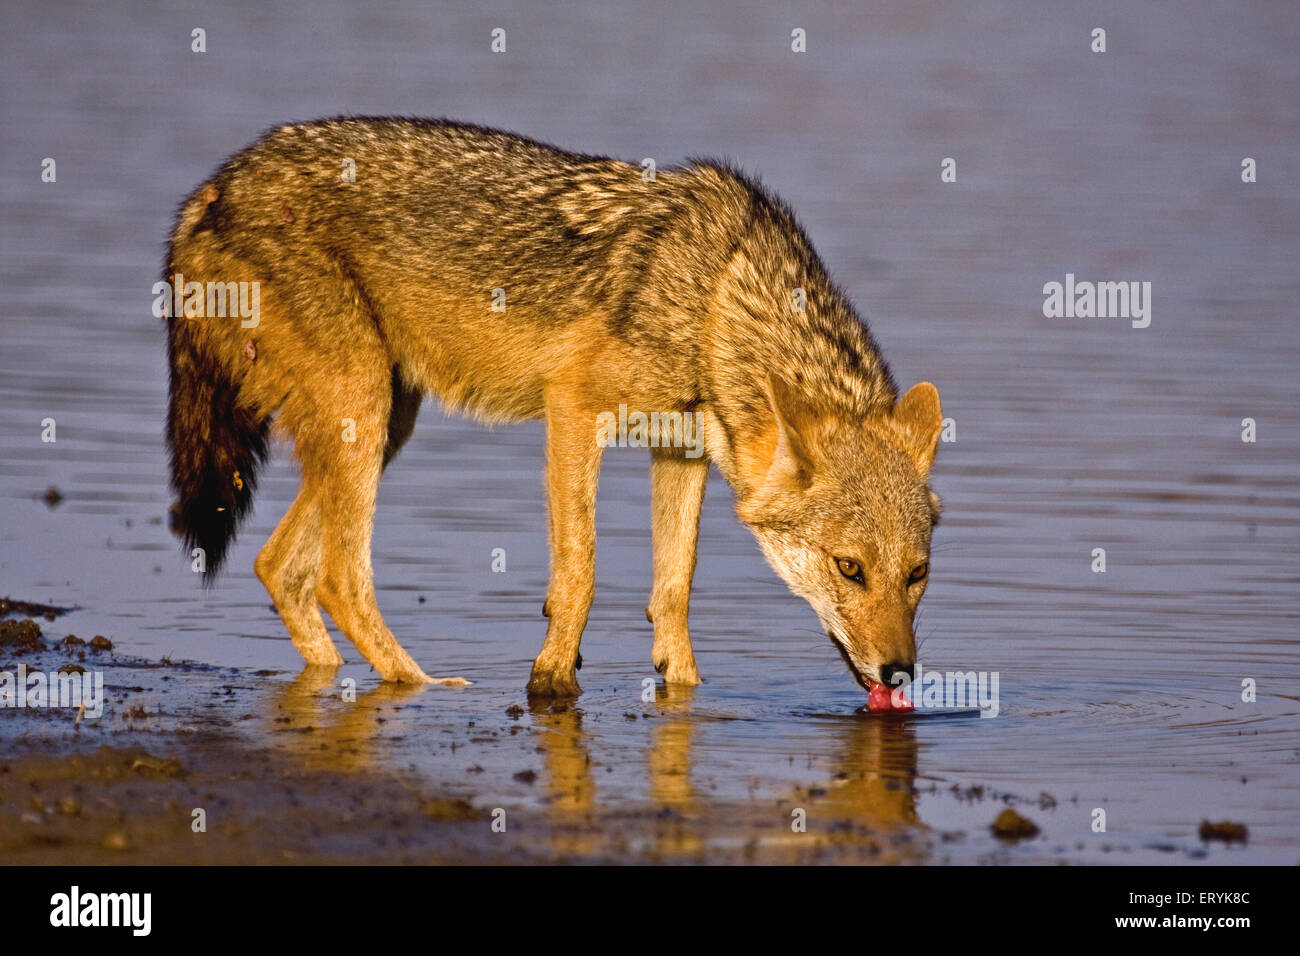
(889, 673)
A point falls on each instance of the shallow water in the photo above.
(1119, 691)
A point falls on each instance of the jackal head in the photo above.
(843, 512)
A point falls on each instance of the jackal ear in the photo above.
(780, 455)
(796, 424)
(919, 417)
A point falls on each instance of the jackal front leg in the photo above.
(572, 466)
(676, 494)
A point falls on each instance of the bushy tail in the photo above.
(216, 448)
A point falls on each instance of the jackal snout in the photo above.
(882, 650)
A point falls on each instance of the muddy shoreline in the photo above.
(178, 762)
(149, 784)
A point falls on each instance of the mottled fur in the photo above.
(671, 295)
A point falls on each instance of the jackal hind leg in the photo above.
(288, 566)
(290, 563)
(572, 467)
(676, 496)
(349, 445)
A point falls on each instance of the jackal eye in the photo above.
(850, 569)
(918, 573)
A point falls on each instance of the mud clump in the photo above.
(22, 637)
(1012, 826)
(1225, 830)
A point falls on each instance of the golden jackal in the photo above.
(394, 258)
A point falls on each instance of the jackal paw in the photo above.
(678, 672)
(412, 674)
(674, 659)
(406, 675)
(321, 655)
(553, 683)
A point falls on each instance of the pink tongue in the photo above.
(881, 698)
